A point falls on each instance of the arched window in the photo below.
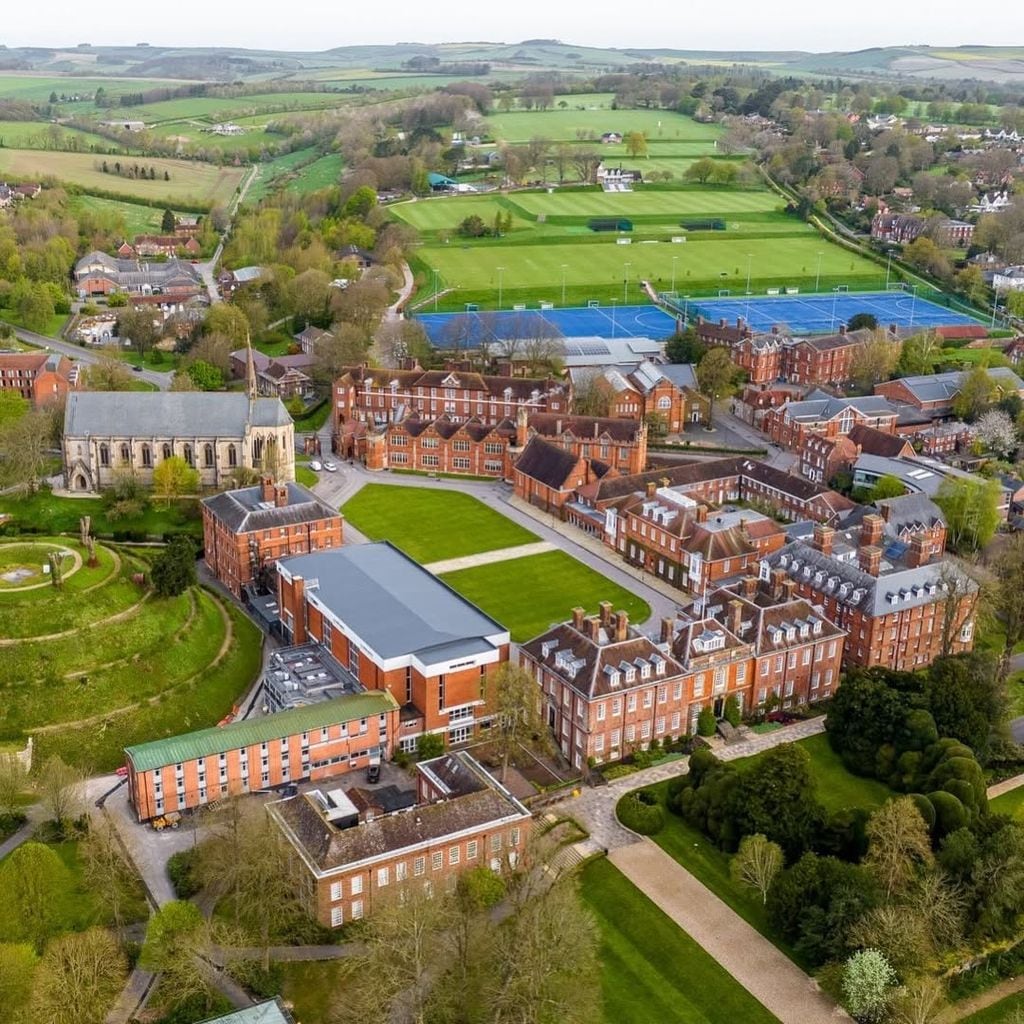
(664, 402)
(147, 455)
(104, 455)
(232, 456)
(190, 455)
(168, 451)
(257, 450)
(126, 453)
(208, 455)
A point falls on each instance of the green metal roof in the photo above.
(221, 739)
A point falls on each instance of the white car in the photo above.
(330, 467)
(315, 466)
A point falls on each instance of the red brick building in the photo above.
(436, 446)
(933, 394)
(829, 416)
(668, 392)
(245, 531)
(354, 849)
(39, 377)
(380, 396)
(548, 476)
(884, 581)
(319, 741)
(823, 361)
(394, 626)
(758, 354)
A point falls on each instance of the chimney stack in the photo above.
(281, 496)
(842, 330)
(267, 488)
(919, 552)
(870, 559)
(667, 629)
(722, 321)
(735, 615)
(778, 577)
(788, 589)
(594, 629)
(748, 586)
(823, 538)
(651, 487)
(621, 626)
(606, 613)
(578, 615)
(702, 513)
(871, 530)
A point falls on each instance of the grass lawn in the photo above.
(998, 1013)
(562, 125)
(651, 970)
(1015, 685)
(690, 201)
(45, 135)
(321, 173)
(305, 476)
(52, 328)
(313, 988)
(527, 595)
(312, 421)
(190, 180)
(1011, 803)
(431, 524)
(46, 513)
(137, 219)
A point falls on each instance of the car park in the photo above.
(330, 467)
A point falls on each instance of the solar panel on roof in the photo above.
(896, 550)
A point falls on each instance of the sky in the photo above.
(323, 24)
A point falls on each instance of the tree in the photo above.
(346, 346)
(12, 407)
(922, 1001)
(25, 450)
(106, 870)
(168, 223)
(17, 967)
(967, 698)
(898, 931)
(13, 783)
(918, 354)
(361, 304)
(174, 569)
(60, 788)
(685, 347)
(592, 396)
(31, 879)
(995, 430)
(78, 977)
(971, 508)
(898, 844)
(701, 170)
(517, 720)
(174, 477)
(176, 936)
(706, 723)
(757, 862)
(1015, 303)
(636, 144)
(34, 306)
(716, 377)
(868, 982)
(859, 320)
(1006, 597)
(873, 361)
(308, 293)
(229, 320)
(204, 376)
(975, 394)
(137, 325)
(887, 486)
(108, 373)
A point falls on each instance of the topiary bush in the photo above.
(732, 711)
(706, 723)
(641, 812)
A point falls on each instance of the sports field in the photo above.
(190, 181)
(563, 125)
(665, 204)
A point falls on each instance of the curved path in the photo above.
(45, 583)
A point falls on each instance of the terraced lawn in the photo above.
(431, 524)
(527, 595)
(651, 970)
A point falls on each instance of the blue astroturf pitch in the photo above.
(825, 312)
(462, 330)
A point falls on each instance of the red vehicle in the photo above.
(122, 772)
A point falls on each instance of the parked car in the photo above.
(315, 465)
(373, 768)
(330, 467)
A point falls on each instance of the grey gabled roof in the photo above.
(243, 511)
(942, 387)
(169, 414)
(683, 375)
(395, 605)
(910, 510)
(820, 406)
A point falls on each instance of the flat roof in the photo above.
(220, 739)
(393, 604)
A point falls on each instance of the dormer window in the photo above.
(817, 627)
(894, 599)
(645, 670)
(791, 633)
(764, 571)
(659, 664)
(804, 629)
(630, 674)
(547, 647)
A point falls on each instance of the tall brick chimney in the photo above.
(281, 496)
(870, 559)
(578, 616)
(871, 530)
(606, 613)
(919, 552)
(621, 626)
(667, 629)
(267, 488)
(823, 538)
(522, 427)
(702, 513)
(594, 629)
(650, 487)
(788, 589)
(778, 578)
(734, 617)
(748, 586)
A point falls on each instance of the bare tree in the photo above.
(898, 844)
(1006, 597)
(592, 396)
(758, 860)
(13, 783)
(61, 790)
(77, 978)
(107, 870)
(518, 720)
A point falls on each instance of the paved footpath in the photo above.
(487, 557)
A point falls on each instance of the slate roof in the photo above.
(910, 511)
(873, 441)
(241, 510)
(552, 424)
(761, 619)
(547, 463)
(820, 406)
(943, 387)
(169, 414)
(394, 605)
(220, 739)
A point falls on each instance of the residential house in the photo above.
(355, 848)
(884, 580)
(159, 245)
(1009, 279)
(229, 281)
(246, 530)
(319, 741)
(283, 377)
(39, 377)
(396, 627)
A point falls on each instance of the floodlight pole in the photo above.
(625, 283)
(888, 268)
(750, 256)
(913, 306)
(435, 289)
(564, 265)
(995, 304)
(674, 258)
(817, 278)
(613, 316)
(501, 270)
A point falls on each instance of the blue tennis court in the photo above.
(462, 330)
(821, 313)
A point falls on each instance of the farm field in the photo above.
(187, 134)
(37, 88)
(138, 219)
(641, 952)
(190, 181)
(103, 658)
(527, 595)
(271, 175)
(220, 108)
(431, 525)
(45, 135)
(321, 173)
